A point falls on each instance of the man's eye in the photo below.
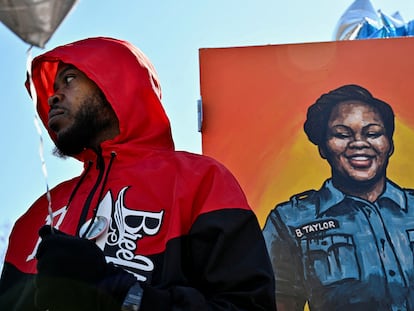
(69, 78)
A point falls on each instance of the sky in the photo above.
(170, 33)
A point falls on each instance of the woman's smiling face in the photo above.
(357, 147)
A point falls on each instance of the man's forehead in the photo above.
(63, 67)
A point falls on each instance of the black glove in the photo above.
(74, 275)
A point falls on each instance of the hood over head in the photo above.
(125, 76)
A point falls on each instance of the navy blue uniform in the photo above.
(341, 252)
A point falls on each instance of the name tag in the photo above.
(316, 227)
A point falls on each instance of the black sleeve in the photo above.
(16, 290)
(226, 264)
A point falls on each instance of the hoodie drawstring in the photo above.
(79, 183)
(95, 210)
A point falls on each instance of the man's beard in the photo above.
(94, 116)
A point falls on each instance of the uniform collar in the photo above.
(331, 196)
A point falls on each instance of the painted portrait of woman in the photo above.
(349, 244)
(320, 136)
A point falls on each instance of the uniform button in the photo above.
(391, 272)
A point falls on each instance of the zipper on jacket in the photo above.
(85, 210)
(95, 210)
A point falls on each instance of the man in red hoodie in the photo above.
(144, 227)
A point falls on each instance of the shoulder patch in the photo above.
(301, 196)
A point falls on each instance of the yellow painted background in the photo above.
(255, 101)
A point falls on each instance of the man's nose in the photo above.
(54, 99)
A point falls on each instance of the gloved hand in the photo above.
(74, 275)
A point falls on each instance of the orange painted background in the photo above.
(255, 101)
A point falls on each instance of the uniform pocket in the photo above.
(410, 234)
(330, 258)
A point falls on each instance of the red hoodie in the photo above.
(178, 221)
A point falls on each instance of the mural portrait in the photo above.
(320, 137)
(348, 244)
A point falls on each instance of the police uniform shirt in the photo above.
(337, 251)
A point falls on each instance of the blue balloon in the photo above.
(362, 21)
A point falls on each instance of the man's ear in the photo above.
(322, 152)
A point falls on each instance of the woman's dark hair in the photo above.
(319, 113)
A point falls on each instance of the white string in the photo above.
(39, 131)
